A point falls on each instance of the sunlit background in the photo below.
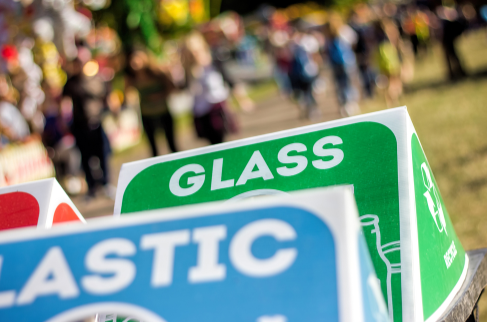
(86, 86)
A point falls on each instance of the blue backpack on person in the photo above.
(303, 68)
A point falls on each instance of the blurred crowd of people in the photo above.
(370, 49)
(74, 84)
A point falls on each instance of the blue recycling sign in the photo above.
(271, 264)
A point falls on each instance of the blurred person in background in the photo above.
(388, 60)
(408, 25)
(453, 25)
(13, 126)
(416, 26)
(360, 23)
(87, 93)
(340, 38)
(59, 142)
(304, 71)
(206, 82)
(279, 49)
(220, 42)
(282, 56)
(483, 13)
(245, 51)
(154, 87)
(422, 24)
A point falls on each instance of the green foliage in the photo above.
(142, 15)
(345, 4)
(135, 22)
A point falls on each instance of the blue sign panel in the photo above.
(274, 264)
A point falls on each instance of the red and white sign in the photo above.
(24, 162)
(39, 203)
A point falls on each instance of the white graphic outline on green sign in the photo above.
(395, 246)
(434, 206)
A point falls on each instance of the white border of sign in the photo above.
(49, 194)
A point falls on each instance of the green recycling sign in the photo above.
(435, 236)
(370, 153)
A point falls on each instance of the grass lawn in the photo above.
(451, 121)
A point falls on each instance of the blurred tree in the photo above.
(134, 20)
(250, 6)
(142, 15)
(345, 4)
(147, 22)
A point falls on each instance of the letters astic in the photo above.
(111, 267)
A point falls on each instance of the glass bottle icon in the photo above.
(389, 254)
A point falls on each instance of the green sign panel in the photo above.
(368, 152)
(439, 246)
